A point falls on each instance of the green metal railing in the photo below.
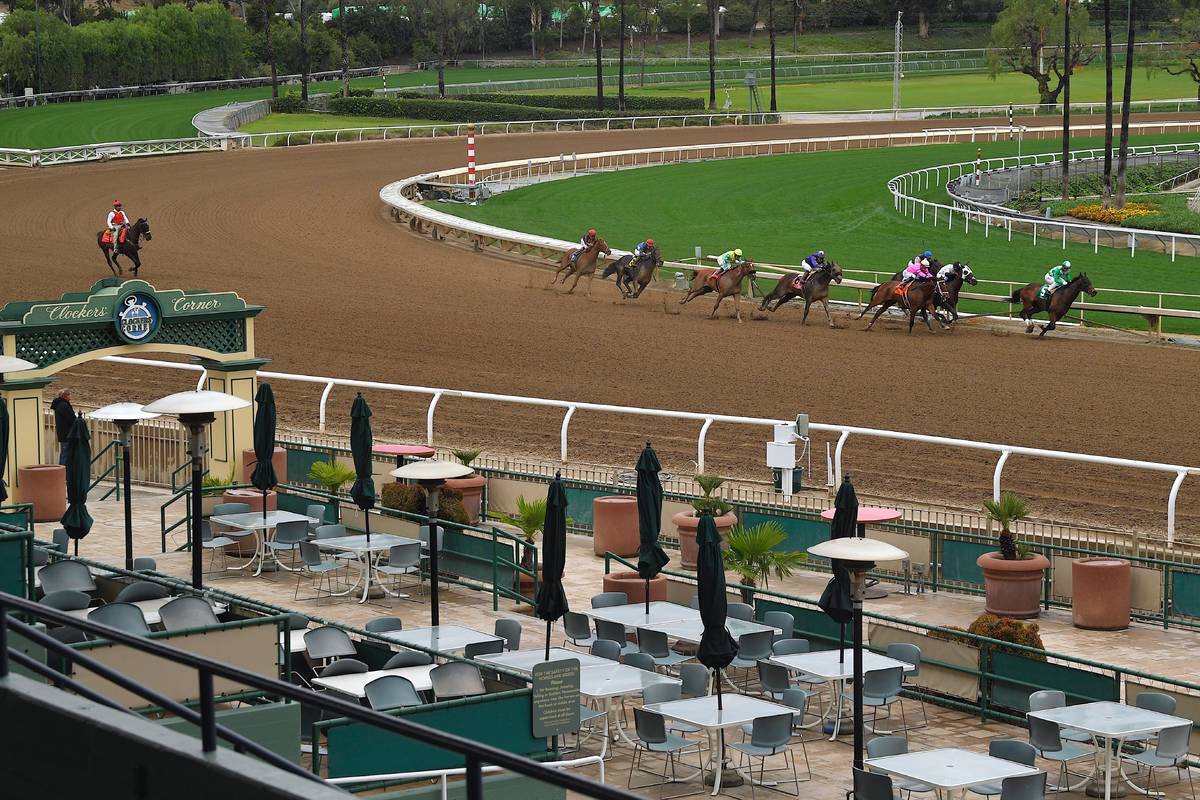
(113, 471)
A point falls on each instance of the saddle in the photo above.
(107, 238)
(798, 282)
(902, 294)
(712, 279)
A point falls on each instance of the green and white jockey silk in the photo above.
(1057, 276)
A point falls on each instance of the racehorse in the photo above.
(946, 295)
(916, 299)
(128, 248)
(630, 273)
(585, 264)
(815, 289)
(1058, 305)
(725, 284)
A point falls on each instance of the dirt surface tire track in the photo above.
(303, 232)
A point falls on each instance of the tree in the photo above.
(771, 32)
(1126, 99)
(1024, 39)
(1189, 25)
(1066, 108)
(261, 19)
(596, 34)
(621, 59)
(344, 41)
(1106, 196)
(712, 55)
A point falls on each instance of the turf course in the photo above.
(779, 209)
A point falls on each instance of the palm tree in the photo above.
(754, 556)
(712, 55)
(771, 31)
(621, 62)
(531, 519)
(1126, 98)
(1066, 100)
(1108, 104)
(1006, 511)
(345, 48)
(599, 60)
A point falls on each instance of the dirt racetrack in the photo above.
(303, 232)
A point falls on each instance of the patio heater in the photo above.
(432, 474)
(196, 410)
(858, 554)
(124, 416)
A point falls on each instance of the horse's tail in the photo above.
(609, 270)
(1015, 297)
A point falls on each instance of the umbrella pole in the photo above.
(77, 548)
(647, 598)
(367, 520)
(842, 643)
(549, 625)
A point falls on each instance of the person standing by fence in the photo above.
(64, 418)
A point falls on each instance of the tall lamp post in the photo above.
(124, 416)
(196, 410)
(858, 554)
(431, 475)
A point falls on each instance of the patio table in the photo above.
(737, 710)
(691, 630)
(255, 522)
(440, 638)
(150, 609)
(633, 615)
(1111, 722)
(400, 451)
(825, 666)
(362, 547)
(356, 685)
(950, 769)
(523, 661)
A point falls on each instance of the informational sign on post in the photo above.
(555, 698)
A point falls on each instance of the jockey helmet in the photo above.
(737, 252)
(1066, 265)
(116, 203)
(592, 232)
(927, 254)
(650, 242)
(820, 254)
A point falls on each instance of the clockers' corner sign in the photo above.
(137, 317)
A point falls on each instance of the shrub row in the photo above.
(454, 110)
(288, 104)
(587, 102)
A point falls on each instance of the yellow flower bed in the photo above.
(1115, 216)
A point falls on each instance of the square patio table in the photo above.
(523, 661)
(150, 609)
(608, 681)
(255, 522)
(633, 615)
(825, 666)
(359, 546)
(1112, 722)
(296, 640)
(736, 711)
(441, 638)
(356, 685)
(950, 769)
(691, 630)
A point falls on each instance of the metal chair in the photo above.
(320, 570)
(187, 612)
(66, 600)
(392, 691)
(510, 631)
(402, 559)
(695, 679)
(142, 590)
(881, 688)
(609, 599)
(1052, 698)
(483, 648)
(606, 648)
(910, 654)
(578, 630)
(408, 658)
(774, 679)
(742, 611)
(1009, 750)
(652, 736)
(694, 604)
(873, 786)
(1152, 701)
(752, 648)
(334, 532)
(666, 693)
(782, 620)
(144, 564)
(60, 539)
(213, 544)
(1024, 787)
(654, 644)
(322, 644)
(288, 536)
(384, 624)
(770, 737)
(1171, 751)
(1046, 738)
(787, 647)
(63, 575)
(225, 509)
(882, 746)
(456, 679)
(344, 666)
(315, 511)
(122, 616)
(615, 631)
(640, 661)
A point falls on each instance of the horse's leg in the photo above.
(693, 293)
(882, 308)
(737, 305)
(825, 305)
(137, 263)
(578, 275)
(925, 316)
(804, 319)
(713, 314)
(591, 277)
(870, 304)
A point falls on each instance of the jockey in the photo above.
(115, 222)
(814, 262)
(643, 249)
(1056, 277)
(917, 270)
(946, 272)
(586, 243)
(730, 259)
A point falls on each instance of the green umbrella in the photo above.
(361, 442)
(3, 449)
(77, 521)
(264, 477)
(717, 648)
(551, 599)
(651, 558)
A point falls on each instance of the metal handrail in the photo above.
(475, 753)
(114, 469)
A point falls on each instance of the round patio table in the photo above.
(872, 515)
(401, 451)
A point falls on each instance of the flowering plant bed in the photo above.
(1112, 216)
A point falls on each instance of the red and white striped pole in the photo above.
(471, 163)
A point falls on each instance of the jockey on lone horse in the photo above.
(725, 262)
(1055, 279)
(585, 244)
(812, 263)
(115, 225)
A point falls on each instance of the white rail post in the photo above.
(203, 378)
(996, 475)
(562, 434)
(837, 458)
(700, 444)
(429, 417)
(324, 397)
(1179, 476)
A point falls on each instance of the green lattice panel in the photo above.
(49, 346)
(220, 335)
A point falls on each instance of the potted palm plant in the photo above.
(686, 522)
(471, 486)
(1012, 575)
(331, 476)
(755, 557)
(530, 519)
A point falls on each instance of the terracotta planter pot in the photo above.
(634, 587)
(526, 584)
(615, 525)
(472, 494)
(44, 485)
(1014, 588)
(279, 460)
(1101, 592)
(244, 546)
(686, 523)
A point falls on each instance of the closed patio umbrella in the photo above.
(717, 648)
(264, 477)
(835, 600)
(77, 521)
(551, 600)
(651, 558)
(361, 441)
(3, 449)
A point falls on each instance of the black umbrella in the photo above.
(264, 477)
(651, 558)
(835, 600)
(77, 521)
(3, 449)
(717, 648)
(361, 442)
(551, 601)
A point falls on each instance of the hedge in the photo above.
(454, 110)
(289, 104)
(585, 102)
